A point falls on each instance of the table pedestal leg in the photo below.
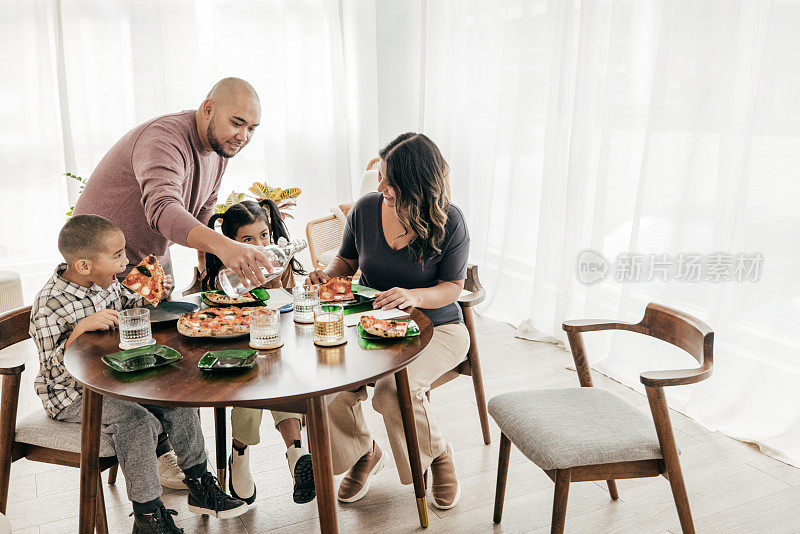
(90, 459)
(221, 448)
(407, 412)
(319, 444)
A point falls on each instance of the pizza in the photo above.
(336, 289)
(147, 279)
(230, 321)
(225, 300)
(382, 327)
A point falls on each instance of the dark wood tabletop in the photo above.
(297, 371)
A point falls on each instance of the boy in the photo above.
(82, 296)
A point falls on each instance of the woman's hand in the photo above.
(317, 277)
(397, 297)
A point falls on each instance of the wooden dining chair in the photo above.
(471, 366)
(38, 437)
(587, 433)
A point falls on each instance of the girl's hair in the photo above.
(419, 175)
(242, 214)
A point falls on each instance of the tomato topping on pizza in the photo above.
(337, 289)
(382, 327)
(147, 279)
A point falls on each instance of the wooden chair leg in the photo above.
(560, 501)
(666, 439)
(502, 476)
(612, 489)
(477, 376)
(100, 519)
(8, 422)
(112, 474)
(220, 426)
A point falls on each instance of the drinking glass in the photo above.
(265, 329)
(329, 324)
(134, 328)
(305, 299)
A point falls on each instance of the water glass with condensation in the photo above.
(265, 329)
(306, 298)
(134, 328)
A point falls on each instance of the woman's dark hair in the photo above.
(417, 171)
(242, 214)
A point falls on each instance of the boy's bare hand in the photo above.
(102, 320)
(169, 285)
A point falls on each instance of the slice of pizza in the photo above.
(224, 300)
(147, 279)
(382, 327)
(337, 289)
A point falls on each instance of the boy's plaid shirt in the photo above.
(56, 310)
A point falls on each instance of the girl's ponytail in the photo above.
(213, 263)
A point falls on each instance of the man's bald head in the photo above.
(228, 116)
(230, 89)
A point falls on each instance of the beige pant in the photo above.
(245, 423)
(350, 437)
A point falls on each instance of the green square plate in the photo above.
(141, 358)
(227, 360)
(260, 293)
(413, 331)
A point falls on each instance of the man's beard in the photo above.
(215, 143)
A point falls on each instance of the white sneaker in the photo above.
(241, 483)
(170, 475)
(302, 472)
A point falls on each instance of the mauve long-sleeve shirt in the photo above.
(156, 184)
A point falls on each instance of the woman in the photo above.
(412, 244)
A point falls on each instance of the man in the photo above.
(159, 185)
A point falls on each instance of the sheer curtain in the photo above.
(636, 130)
(77, 75)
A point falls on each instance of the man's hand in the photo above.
(102, 320)
(169, 285)
(397, 297)
(245, 261)
(317, 277)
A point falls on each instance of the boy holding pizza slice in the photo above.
(83, 296)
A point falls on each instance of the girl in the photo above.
(260, 224)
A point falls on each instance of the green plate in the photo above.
(413, 331)
(227, 360)
(362, 301)
(139, 359)
(261, 294)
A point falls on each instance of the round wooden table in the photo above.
(294, 378)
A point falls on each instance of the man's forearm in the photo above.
(204, 239)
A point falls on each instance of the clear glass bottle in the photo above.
(278, 258)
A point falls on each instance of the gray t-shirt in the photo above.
(383, 268)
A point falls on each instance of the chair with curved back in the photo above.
(38, 437)
(588, 433)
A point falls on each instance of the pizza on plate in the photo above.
(337, 289)
(147, 279)
(230, 321)
(382, 327)
(225, 300)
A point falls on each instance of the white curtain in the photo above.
(79, 74)
(665, 130)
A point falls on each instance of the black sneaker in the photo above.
(159, 522)
(302, 471)
(206, 498)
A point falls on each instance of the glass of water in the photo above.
(134, 328)
(306, 298)
(265, 329)
(329, 324)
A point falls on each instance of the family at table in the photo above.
(158, 185)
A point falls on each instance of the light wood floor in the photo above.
(733, 488)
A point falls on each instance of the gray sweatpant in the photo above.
(134, 429)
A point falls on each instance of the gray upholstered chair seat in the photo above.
(563, 428)
(39, 429)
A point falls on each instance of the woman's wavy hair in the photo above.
(417, 171)
(242, 214)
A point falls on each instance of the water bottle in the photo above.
(278, 258)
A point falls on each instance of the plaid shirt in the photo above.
(56, 310)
